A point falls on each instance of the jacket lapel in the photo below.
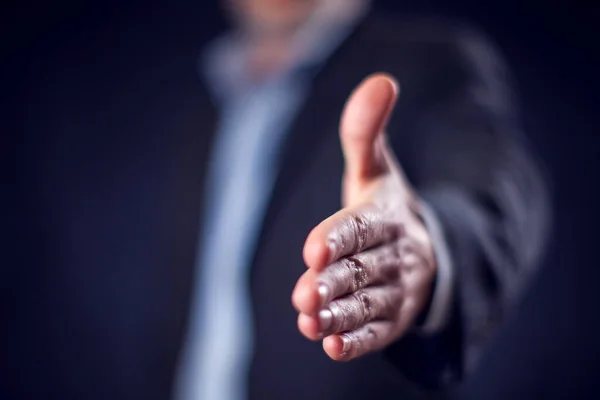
(313, 124)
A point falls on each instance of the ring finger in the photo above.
(352, 311)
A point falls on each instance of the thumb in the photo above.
(362, 124)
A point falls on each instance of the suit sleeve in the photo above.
(473, 168)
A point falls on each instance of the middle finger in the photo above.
(349, 274)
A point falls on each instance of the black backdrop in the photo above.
(550, 347)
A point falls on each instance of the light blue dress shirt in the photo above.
(254, 119)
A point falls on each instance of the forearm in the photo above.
(486, 190)
(494, 234)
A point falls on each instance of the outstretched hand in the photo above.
(370, 265)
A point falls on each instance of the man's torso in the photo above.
(117, 167)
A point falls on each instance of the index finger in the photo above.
(349, 231)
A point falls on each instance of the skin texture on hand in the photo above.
(371, 265)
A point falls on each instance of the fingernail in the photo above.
(325, 318)
(347, 344)
(323, 293)
(333, 249)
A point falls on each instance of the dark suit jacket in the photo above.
(117, 130)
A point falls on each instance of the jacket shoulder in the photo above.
(423, 29)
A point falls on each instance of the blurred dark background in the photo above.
(551, 347)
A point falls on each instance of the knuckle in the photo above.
(371, 338)
(364, 305)
(390, 263)
(363, 341)
(360, 229)
(392, 305)
(406, 255)
(396, 250)
(357, 273)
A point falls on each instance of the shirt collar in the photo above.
(221, 63)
